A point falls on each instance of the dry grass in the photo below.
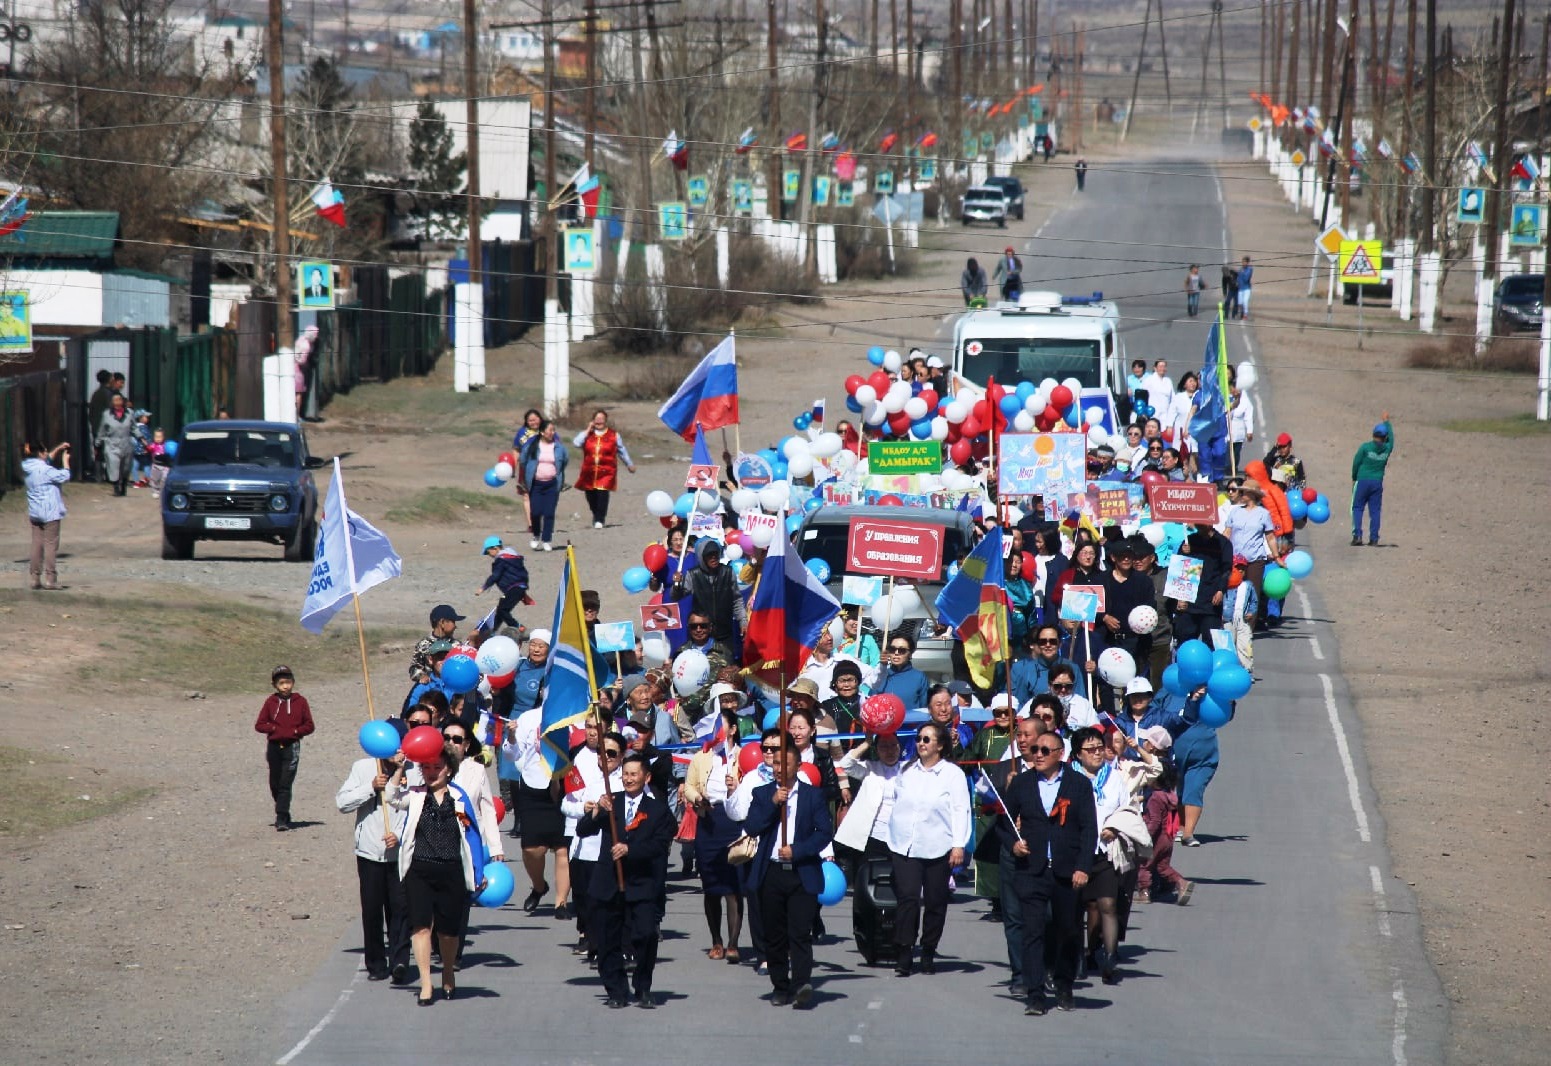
(49, 793)
(1508, 355)
(445, 506)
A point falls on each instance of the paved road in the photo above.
(1298, 947)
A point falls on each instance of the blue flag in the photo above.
(1209, 425)
(569, 682)
(702, 455)
(351, 556)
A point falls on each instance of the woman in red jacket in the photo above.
(603, 449)
(285, 718)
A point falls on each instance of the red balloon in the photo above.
(500, 809)
(1052, 415)
(655, 557)
(1030, 568)
(879, 380)
(971, 427)
(749, 757)
(981, 411)
(854, 382)
(422, 744)
(1061, 397)
(932, 400)
(959, 451)
(668, 520)
(883, 714)
(995, 392)
(899, 423)
(463, 648)
(501, 680)
(810, 773)
(1168, 435)
(890, 500)
(508, 458)
(1152, 477)
(1309, 495)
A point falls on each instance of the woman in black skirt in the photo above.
(706, 788)
(436, 868)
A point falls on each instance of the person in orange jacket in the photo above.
(1275, 501)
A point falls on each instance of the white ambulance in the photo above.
(1043, 335)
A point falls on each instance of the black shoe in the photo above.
(1035, 1008)
(781, 999)
(580, 948)
(426, 1001)
(281, 825)
(1357, 539)
(902, 968)
(645, 1001)
(928, 962)
(1373, 542)
(818, 928)
(1064, 1000)
(400, 973)
(563, 912)
(531, 903)
(803, 998)
(376, 975)
(617, 1002)
(1110, 977)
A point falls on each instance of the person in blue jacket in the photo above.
(899, 676)
(1195, 761)
(509, 573)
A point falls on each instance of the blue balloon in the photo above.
(1297, 508)
(499, 884)
(1194, 660)
(780, 448)
(921, 430)
(793, 523)
(1222, 657)
(813, 503)
(684, 505)
(772, 718)
(1171, 681)
(819, 568)
(493, 479)
(1229, 683)
(379, 740)
(834, 885)
(459, 673)
(1319, 497)
(1300, 563)
(1319, 511)
(171, 447)
(636, 579)
(1011, 405)
(875, 355)
(1214, 714)
(1025, 390)
(853, 405)
(770, 455)
(778, 469)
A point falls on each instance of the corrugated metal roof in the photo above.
(63, 235)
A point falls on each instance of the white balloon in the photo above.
(893, 403)
(1142, 619)
(733, 552)
(1047, 386)
(1023, 422)
(692, 669)
(794, 446)
(939, 428)
(655, 650)
(1154, 534)
(843, 462)
(866, 395)
(876, 415)
(886, 615)
(957, 412)
(915, 407)
(825, 445)
(498, 655)
(1115, 666)
(743, 500)
(800, 465)
(891, 362)
(908, 602)
(707, 502)
(762, 536)
(953, 479)
(1097, 436)
(1118, 442)
(1094, 415)
(659, 504)
(1075, 386)
(1035, 403)
(773, 496)
(504, 471)
(1247, 376)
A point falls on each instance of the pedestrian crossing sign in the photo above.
(1359, 262)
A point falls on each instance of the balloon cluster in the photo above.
(1196, 664)
(504, 470)
(1308, 504)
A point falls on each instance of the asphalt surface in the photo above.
(1299, 945)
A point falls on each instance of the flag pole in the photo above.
(737, 427)
(575, 586)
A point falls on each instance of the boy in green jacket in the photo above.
(1368, 467)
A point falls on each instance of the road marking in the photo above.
(301, 1045)
(876, 1004)
(1346, 760)
(1398, 1044)
(1303, 605)
(855, 1039)
(1379, 902)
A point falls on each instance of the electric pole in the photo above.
(1502, 155)
(590, 98)
(1430, 132)
(1136, 80)
(547, 35)
(1403, 189)
(773, 107)
(277, 162)
(1292, 63)
(471, 118)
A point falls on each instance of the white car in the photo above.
(984, 203)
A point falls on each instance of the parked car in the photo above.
(1012, 188)
(984, 203)
(241, 480)
(1384, 290)
(1516, 303)
(825, 532)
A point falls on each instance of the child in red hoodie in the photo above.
(285, 719)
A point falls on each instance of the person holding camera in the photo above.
(45, 508)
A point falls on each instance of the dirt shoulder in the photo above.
(1441, 634)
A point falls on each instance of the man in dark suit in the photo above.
(1050, 832)
(641, 828)
(789, 873)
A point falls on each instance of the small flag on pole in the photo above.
(329, 202)
(746, 141)
(351, 556)
(676, 150)
(708, 397)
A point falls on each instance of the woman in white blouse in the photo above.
(929, 829)
(864, 831)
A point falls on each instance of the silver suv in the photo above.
(984, 203)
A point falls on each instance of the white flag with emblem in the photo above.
(352, 555)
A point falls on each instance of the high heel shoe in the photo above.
(448, 991)
(426, 1001)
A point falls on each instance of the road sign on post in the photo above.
(1359, 261)
(1330, 241)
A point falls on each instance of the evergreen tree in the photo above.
(435, 173)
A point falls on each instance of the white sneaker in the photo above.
(597, 525)
(534, 543)
(549, 547)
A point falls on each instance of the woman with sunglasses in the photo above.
(705, 790)
(929, 829)
(872, 764)
(474, 779)
(597, 766)
(898, 676)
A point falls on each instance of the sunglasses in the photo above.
(1048, 640)
(455, 738)
(700, 625)
(1040, 749)
(1002, 712)
(611, 753)
(900, 649)
(770, 751)
(1056, 686)
(1091, 749)
(1046, 717)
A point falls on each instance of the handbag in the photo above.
(742, 850)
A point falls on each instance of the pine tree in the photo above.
(436, 174)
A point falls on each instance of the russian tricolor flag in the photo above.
(789, 611)
(746, 140)
(709, 396)
(1525, 168)
(330, 203)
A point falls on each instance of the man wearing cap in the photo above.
(444, 623)
(284, 719)
(508, 573)
(1368, 467)
(1285, 467)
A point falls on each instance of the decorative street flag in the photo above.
(797, 142)
(350, 557)
(330, 204)
(746, 141)
(709, 396)
(830, 142)
(888, 142)
(13, 213)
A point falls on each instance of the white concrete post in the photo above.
(557, 358)
(723, 256)
(1405, 276)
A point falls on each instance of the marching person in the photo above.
(284, 719)
(509, 574)
(541, 477)
(538, 813)
(639, 836)
(383, 917)
(1099, 895)
(791, 821)
(600, 757)
(1051, 832)
(472, 777)
(116, 437)
(603, 449)
(1009, 271)
(929, 829)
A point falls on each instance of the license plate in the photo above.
(228, 523)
